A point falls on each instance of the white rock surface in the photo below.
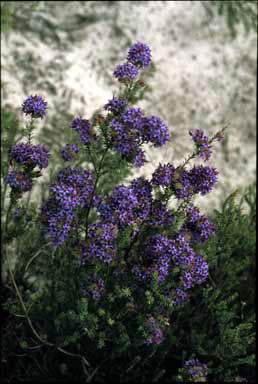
(204, 79)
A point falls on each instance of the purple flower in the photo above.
(160, 215)
(181, 252)
(202, 144)
(115, 105)
(181, 184)
(83, 127)
(202, 179)
(74, 187)
(30, 155)
(82, 181)
(126, 135)
(65, 195)
(195, 370)
(162, 175)
(94, 287)
(155, 131)
(143, 192)
(125, 72)
(18, 181)
(139, 159)
(139, 54)
(69, 151)
(34, 106)
(199, 270)
(100, 244)
(197, 225)
(180, 297)
(186, 280)
(153, 256)
(58, 220)
(119, 208)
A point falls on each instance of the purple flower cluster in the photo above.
(94, 287)
(154, 130)
(115, 105)
(83, 127)
(202, 179)
(34, 106)
(29, 155)
(125, 72)
(119, 207)
(57, 220)
(133, 204)
(160, 216)
(185, 183)
(197, 225)
(154, 257)
(155, 332)
(143, 192)
(82, 181)
(181, 252)
(139, 54)
(69, 151)
(195, 370)
(139, 159)
(19, 181)
(100, 244)
(202, 144)
(162, 175)
(125, 132)
(180, 297)
(74, 187)
(199, 270)
(132, 129)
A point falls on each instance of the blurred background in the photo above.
(204, 73)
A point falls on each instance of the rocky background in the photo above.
(66, 52)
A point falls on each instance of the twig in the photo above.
(33, 257)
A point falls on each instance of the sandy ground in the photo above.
(204, 78)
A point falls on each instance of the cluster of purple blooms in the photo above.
(129, 205)
(83, 127)
(199, 226)
(185, 183)
(34, 106)
(139, 56)
(154, 257)
(131, 129)
(18, 181)
(29, 155)
(195, 370)
(100, 244)
(74, 187)
(116, 105)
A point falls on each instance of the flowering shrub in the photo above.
(121, 262)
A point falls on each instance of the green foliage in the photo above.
(225, 307)
(238, 11)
